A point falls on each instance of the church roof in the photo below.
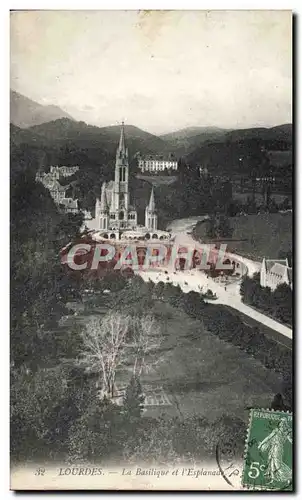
(270, 263)
(278, 269)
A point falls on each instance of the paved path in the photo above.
(196, 280)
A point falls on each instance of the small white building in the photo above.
(274, 273)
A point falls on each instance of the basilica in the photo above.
(114, 212)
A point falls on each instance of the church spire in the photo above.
(150, 213)
(121, 145)
(151, 206)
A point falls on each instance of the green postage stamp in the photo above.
(268, 452)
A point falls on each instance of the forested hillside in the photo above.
(38, 232)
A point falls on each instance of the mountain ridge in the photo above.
(191, 132)
(69, 134)
(25, 112)
(65, 130)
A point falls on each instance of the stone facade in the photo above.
(274, 273)
(114, 211)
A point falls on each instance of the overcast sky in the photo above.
(158, 70)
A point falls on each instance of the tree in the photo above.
(249, 290)
(219, 227)
(283, 303)
(35, 400)
(135, 297)
(151, 285)
(278, 404)
(151, 442)
(97, 434)
(115, 341)
(112, 280)
(287, 386)
(288, 254)
(193, 304)
(277, 303)
(134, 399)
(104, 343)
(224, 229)
(69, 226)
(175, 295)
(39, 289)
(160, 287)
(285, 205)
(143, 344)
(211, 229)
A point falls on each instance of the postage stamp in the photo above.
(268, 452)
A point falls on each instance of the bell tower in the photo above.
(121, 179)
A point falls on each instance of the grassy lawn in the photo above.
(197, 373)
(202, 375)
(266, 235)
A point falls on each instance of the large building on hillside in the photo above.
(114, 211)
(63, 171)
(50, 180)
(56, 172)
(157, 163)
(275, 272)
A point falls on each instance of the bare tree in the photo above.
(118, 340)
(144, 344)
(104, 348)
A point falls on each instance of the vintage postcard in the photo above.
(151, 174)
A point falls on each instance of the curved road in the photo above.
(196, 280)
